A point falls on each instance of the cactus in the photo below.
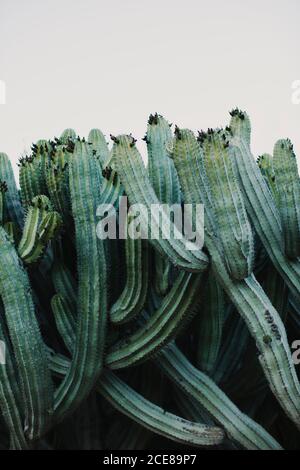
(201, 336)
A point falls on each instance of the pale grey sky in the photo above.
(108, 64)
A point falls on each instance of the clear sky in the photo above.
(108, 64)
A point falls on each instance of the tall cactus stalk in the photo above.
(247, 295)
(87, 360)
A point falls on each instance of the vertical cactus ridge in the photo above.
(87, 360)
(28, 347)
(210, 326)
(12, 199)
(176, 309)
(228, 206)
(128, 163)
(238, 426)
(247, 295)
(133, 297)
(99, 146)
(288, 190)
(164, 180)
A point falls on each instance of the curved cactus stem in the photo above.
(28, 347)
(12, 199)
(269, 333)
(176, 309)
(128, 163)
(136, 407)
(287, 185)
(133, 297)
(210, 326)
(238, 426)
(260, 204)
(87, 361)
(249, 298)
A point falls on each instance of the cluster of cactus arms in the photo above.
(151, 342)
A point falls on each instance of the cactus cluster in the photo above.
(143, 343)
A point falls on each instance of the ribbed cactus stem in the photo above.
(249, 298)
(128, 163)
(260, 205)
(87, 360)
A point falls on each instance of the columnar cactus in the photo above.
(202, 332)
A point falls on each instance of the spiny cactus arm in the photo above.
(210, 326)
(41, 225)
(10, 397)
(12, 199)
(161, 327)
(288, 190)
(133, 297)
(260, 205)
(87, 360)
(136, 407)
(238, 426)
(228, 206)
(128, 163)
(164, 180)
(28, 347)
(250, 300)
(99, 146)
